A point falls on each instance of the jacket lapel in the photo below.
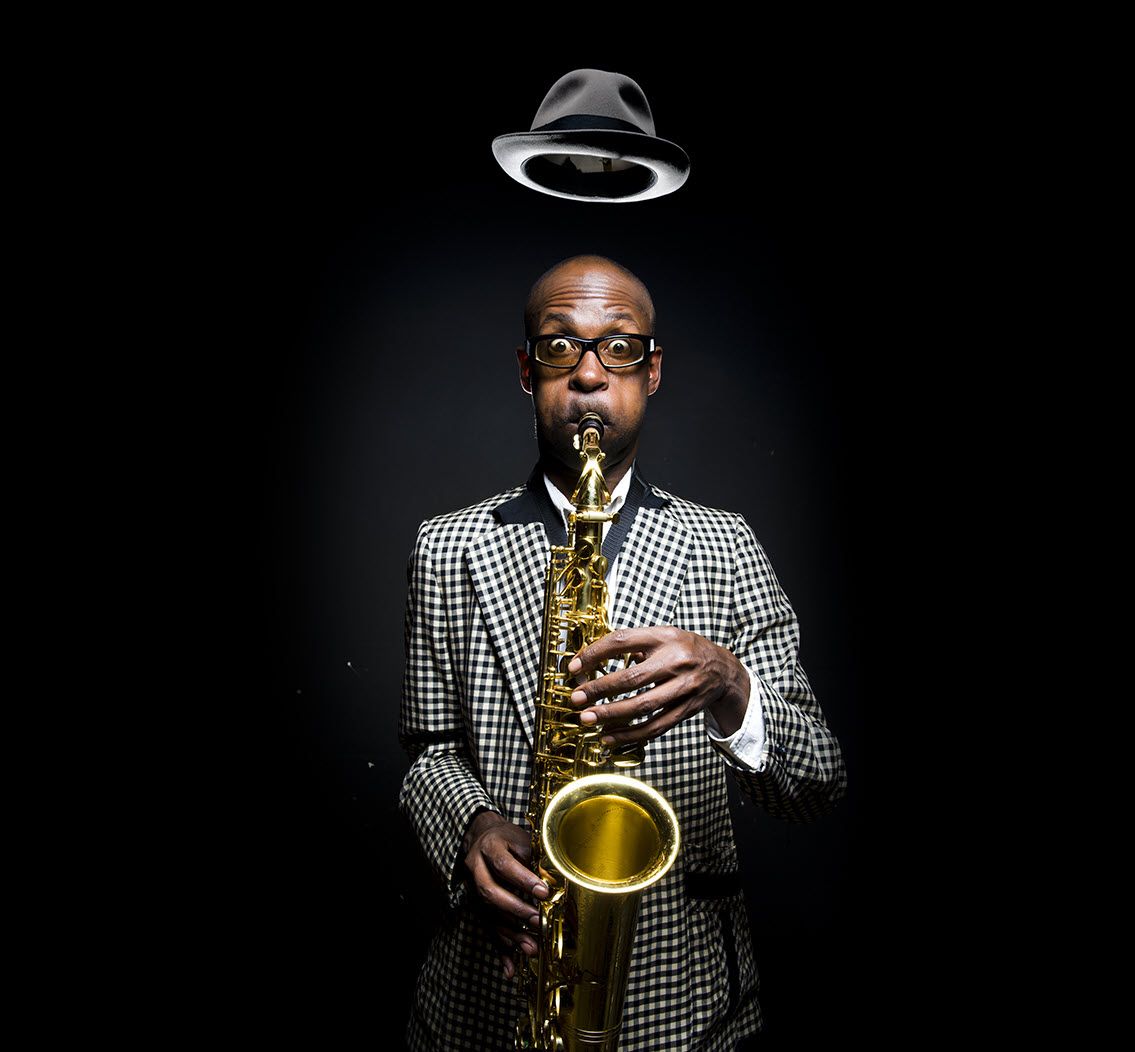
(652, 566)
(507, 569)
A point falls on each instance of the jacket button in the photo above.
(779, 749)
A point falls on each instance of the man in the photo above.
(695, 600)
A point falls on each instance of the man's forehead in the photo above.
(591, 292)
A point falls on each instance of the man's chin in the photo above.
(567, 456)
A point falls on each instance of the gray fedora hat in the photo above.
(593, 140)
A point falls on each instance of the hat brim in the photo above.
(658, 166)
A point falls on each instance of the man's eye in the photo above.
(620, 350)
(560, 346)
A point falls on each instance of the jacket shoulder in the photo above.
(699, 517)
(465, 524)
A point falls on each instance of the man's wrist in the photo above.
(746, 748)
(482, 820)
(729, 710)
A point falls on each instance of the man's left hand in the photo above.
(688, 673)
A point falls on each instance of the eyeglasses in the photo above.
(565, 352)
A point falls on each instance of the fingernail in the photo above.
(578, 696)
(534, 920)
(575, 665)
(507, 968)
(608, 740)
(529, 946)
(587, 717)
(541, 889)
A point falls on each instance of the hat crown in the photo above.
(595, 93)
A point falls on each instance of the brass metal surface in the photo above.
(599, 838)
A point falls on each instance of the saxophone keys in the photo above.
(629, 755)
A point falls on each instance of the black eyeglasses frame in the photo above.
(589, 345)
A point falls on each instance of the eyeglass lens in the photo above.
(613, 351)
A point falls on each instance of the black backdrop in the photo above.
(379, 261)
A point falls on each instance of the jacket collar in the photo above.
(534, 505)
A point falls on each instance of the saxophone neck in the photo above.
(591, 493)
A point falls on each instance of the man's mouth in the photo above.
(576, 418)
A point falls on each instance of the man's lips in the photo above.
(573, 421)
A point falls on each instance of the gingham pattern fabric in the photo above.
(472, 643)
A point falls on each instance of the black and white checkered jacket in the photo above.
(472, 643)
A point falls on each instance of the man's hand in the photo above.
(496, 851)
(689, 674)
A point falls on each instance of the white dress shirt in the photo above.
(745, 748)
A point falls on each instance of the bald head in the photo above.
(580, 267)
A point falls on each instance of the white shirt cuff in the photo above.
(746, 745)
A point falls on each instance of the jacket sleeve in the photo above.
(803, 772)
(441, 791)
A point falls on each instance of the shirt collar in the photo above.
(565, 506)
(534, 504)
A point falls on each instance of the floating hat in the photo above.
(593, 140)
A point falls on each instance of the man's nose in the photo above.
(589, 374)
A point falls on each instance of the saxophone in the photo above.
(599, 838)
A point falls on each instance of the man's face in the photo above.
(590, 301)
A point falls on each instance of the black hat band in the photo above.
(585, 121)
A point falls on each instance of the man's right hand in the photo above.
(496, 853)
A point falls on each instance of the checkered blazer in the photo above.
(473, 621)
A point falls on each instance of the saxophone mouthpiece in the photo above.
(590, 422)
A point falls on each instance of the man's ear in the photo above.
(655, 360)
(525, 369)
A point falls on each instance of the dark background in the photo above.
(374, 269)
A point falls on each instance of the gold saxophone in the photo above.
(598, 837)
